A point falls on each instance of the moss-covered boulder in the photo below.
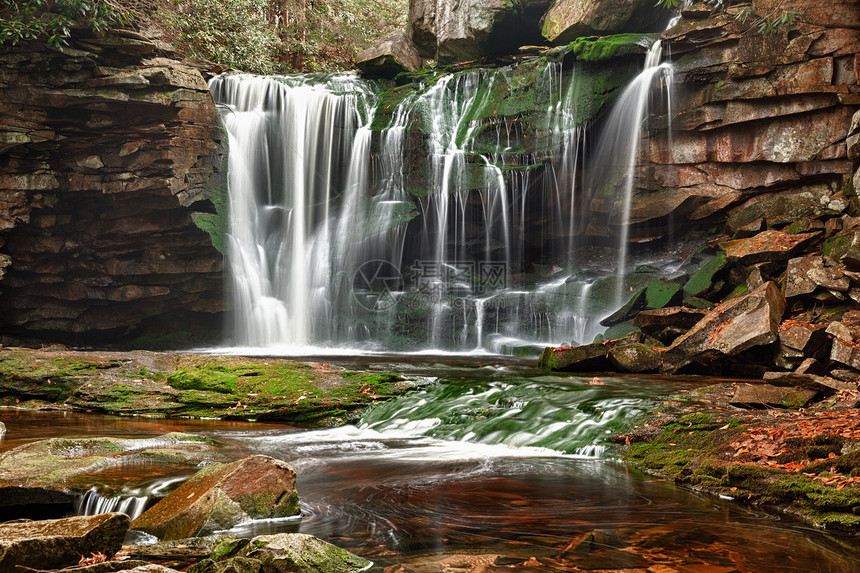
(635, 358)
(301, 553)
(222, 495)
(58, 543)
(585, 358)
(599, 48)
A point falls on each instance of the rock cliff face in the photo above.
(757, 117)
(108, 148)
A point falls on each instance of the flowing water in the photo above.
(494, 459)
(442, 228)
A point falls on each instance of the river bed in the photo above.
(493, 458)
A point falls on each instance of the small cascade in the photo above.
(507, 417)
(614, 171)
(91, 503)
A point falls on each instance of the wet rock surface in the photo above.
(172, 384)
(803, 461)
(58, 470)
(61, 542)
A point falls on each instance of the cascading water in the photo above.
(617, 156)
(91, 503)
(349, 231)
(289, 139)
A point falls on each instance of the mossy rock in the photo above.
(597, 48)
(301, 553)
(702, 279)
(221, 496)
(660, 294)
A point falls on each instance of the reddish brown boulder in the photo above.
(222, 495)
(654, 321)
(766, 246)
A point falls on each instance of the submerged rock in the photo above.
(58, 543)
(731, 328)
(222, 495)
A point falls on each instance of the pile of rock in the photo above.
(778, 299)
(218, 497)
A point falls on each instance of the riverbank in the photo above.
(190, 385)
(804, 461)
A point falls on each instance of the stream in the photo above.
(493, 458)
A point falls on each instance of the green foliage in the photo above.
(232, 32)
(271, 36)
(767, 24)
(53, 20)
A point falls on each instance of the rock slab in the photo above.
(732, 327)
(571, 19)
(58, 543)
(222, 495)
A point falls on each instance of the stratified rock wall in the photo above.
(758, 118)
(108, 146)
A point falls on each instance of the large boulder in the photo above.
(222, 495)
(58, 543)
(571, 19)
(392, 55)
(449, 31)
(731, 328)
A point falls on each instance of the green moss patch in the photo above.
(191, 385)
(700, 442)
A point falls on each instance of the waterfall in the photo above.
(617, 154)
(348, 231)
(289, 138)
